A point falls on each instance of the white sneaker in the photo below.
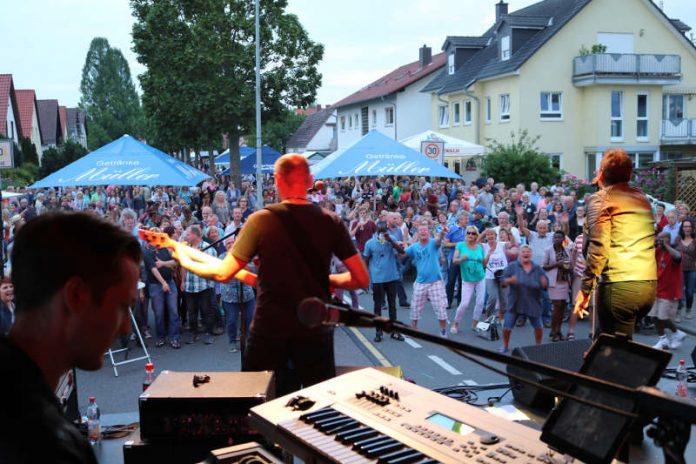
(662, 343)
(678, 318)
(677, 339)
(454, 330)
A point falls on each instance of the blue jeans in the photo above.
(689, 286)
(545, 306)
(162, 302)
(232, 311)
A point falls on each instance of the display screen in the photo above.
(448, 423)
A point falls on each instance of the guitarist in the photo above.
(294, 241)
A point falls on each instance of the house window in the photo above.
(616, 116)
(389, 116)
(456, 111)
(505, 107)
(642, 117)
(350, 122)
(551, 105)
(505, 48)
(450, 63)
(374, 118)
(343, 123)
(444, 115)
(467, 112)
(673, 107)
(644, 159)
(556, 161)
(356, 122)
(12, 130)
(488, 110)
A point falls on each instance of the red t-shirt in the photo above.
(669, 275)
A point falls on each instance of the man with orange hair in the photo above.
(287, 274)
(619, 248)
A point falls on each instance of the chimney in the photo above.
(425, 55)
(501, 8)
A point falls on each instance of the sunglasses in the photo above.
(471, 233)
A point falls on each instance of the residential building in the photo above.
(317, 133)
(29, 119)
(393, 104)
(10, 125)
(63, 119)
(50, 123)
(77, 125)
(583, 75)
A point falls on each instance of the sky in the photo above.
(46, 41)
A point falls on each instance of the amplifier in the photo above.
(214, 412)
(137, 451)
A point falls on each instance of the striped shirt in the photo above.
(192, 282)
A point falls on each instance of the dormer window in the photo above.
(505, 48)
(450, 63)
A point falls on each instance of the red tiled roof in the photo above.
(26, 104)
(5, 88)
(394, 81)
(63, 115)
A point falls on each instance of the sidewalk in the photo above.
(687, 325)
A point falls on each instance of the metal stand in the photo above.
(146, 354)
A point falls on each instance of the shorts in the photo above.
(433, 291)
(511, 320)
(664, 309)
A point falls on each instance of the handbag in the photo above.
(488, 329)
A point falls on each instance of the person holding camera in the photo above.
(381, 255)
(497, 262)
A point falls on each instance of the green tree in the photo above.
(108, 95)
(519, 161)
(200, 59)
(29, 153)
(57, 158)
(277, 132)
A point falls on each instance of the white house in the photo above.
(393, 104)
(9, 113)
(317, 133)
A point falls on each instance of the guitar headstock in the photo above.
(156, 239)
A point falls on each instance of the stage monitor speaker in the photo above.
(566, 355)
(693, 356)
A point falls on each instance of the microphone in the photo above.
(313, 312)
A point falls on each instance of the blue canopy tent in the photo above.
(125, 161)
(248, 164)
(224, 157)
(377, 155)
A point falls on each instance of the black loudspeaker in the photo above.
(566, 355)
(693, 356)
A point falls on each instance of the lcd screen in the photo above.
(448, 423)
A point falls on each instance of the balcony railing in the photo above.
(624, 68)
(679, 131)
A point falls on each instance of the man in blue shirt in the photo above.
(425, 255)
(455, 235)
(380, 255)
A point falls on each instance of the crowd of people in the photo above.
(486, 249)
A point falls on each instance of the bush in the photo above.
(520, 161)
(658, 182)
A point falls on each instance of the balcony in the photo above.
(678, 131)
(626, 69)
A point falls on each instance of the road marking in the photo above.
(441, 362)
(370, 347)
(412, 342)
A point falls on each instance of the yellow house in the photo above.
(583, 75)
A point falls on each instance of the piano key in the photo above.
(352, 425)
(360, 434)
(321, 414)
(429, 461)
(327, 424)
(328, 446)
(401, 457)
(376, 444)
(378, 451)
(358, 444)
(318, 411)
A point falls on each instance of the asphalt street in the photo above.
(424, 363)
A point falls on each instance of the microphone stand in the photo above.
(675, 415)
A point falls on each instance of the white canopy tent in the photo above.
(454, 147)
